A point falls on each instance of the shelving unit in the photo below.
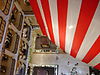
(5, 18)
(16, 29)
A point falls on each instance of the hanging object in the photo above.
(72, 25)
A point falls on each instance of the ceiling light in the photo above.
(70, 27)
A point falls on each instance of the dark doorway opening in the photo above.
(44, 71)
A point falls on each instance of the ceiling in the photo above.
(73, 25)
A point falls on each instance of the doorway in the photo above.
(44, 71)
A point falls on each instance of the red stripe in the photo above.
(94, 50)
(87, 11)
(38, 15)
(97, 66)
(62, 18)
(45, 6)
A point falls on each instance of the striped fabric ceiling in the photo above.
(73, 25)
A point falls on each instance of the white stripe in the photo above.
(91, 35)
(95, 61)
(43, 17)
(54, 19)
(73, 13)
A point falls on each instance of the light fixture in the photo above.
(70, 27)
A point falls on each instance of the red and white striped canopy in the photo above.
(73, 25)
